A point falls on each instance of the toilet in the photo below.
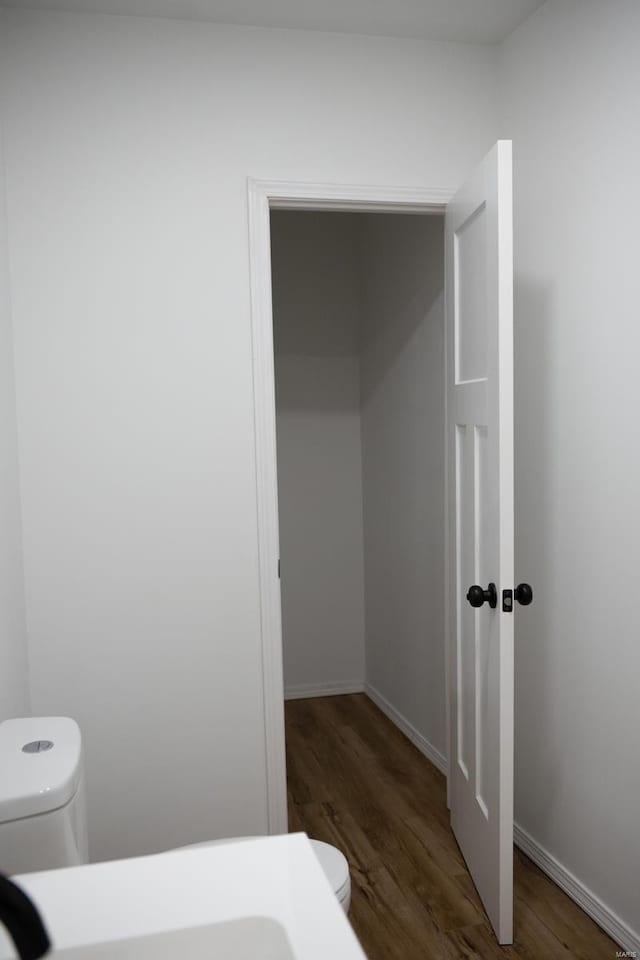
(43, 817)
(43, 813)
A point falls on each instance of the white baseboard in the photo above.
(302, 691)
(609, 921)
(628, 939)
(423, 745)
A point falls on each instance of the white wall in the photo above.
(129, 142)
(402, 388)
(316, 319)
(14, 696)
(570, 78)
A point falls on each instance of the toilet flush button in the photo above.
(37, 746)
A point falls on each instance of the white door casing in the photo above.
(479, 316)
(264, 195)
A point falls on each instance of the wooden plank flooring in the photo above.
(355, 781)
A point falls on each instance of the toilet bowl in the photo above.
(333, 862)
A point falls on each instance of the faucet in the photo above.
(21, 918)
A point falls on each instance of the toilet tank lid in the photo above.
(42, 777)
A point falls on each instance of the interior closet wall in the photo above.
(359, 350)
(402, 391)
(14, 698)
(316, 317)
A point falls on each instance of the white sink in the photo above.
(250, 938)
(264, 899)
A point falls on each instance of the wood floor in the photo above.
(355, 781)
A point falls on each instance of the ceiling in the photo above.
(466, 21)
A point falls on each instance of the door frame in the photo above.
(264, 196)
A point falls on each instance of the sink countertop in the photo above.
(276, 877)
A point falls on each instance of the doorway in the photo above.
(264, 197)
(358, 317)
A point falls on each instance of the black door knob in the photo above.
(477, 596)
(523, 594)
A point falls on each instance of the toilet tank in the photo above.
(43, 820)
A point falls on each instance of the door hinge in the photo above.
(278, 568)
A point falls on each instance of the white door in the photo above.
(479, 287)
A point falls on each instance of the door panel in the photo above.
(471, 282)
(479, 279)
